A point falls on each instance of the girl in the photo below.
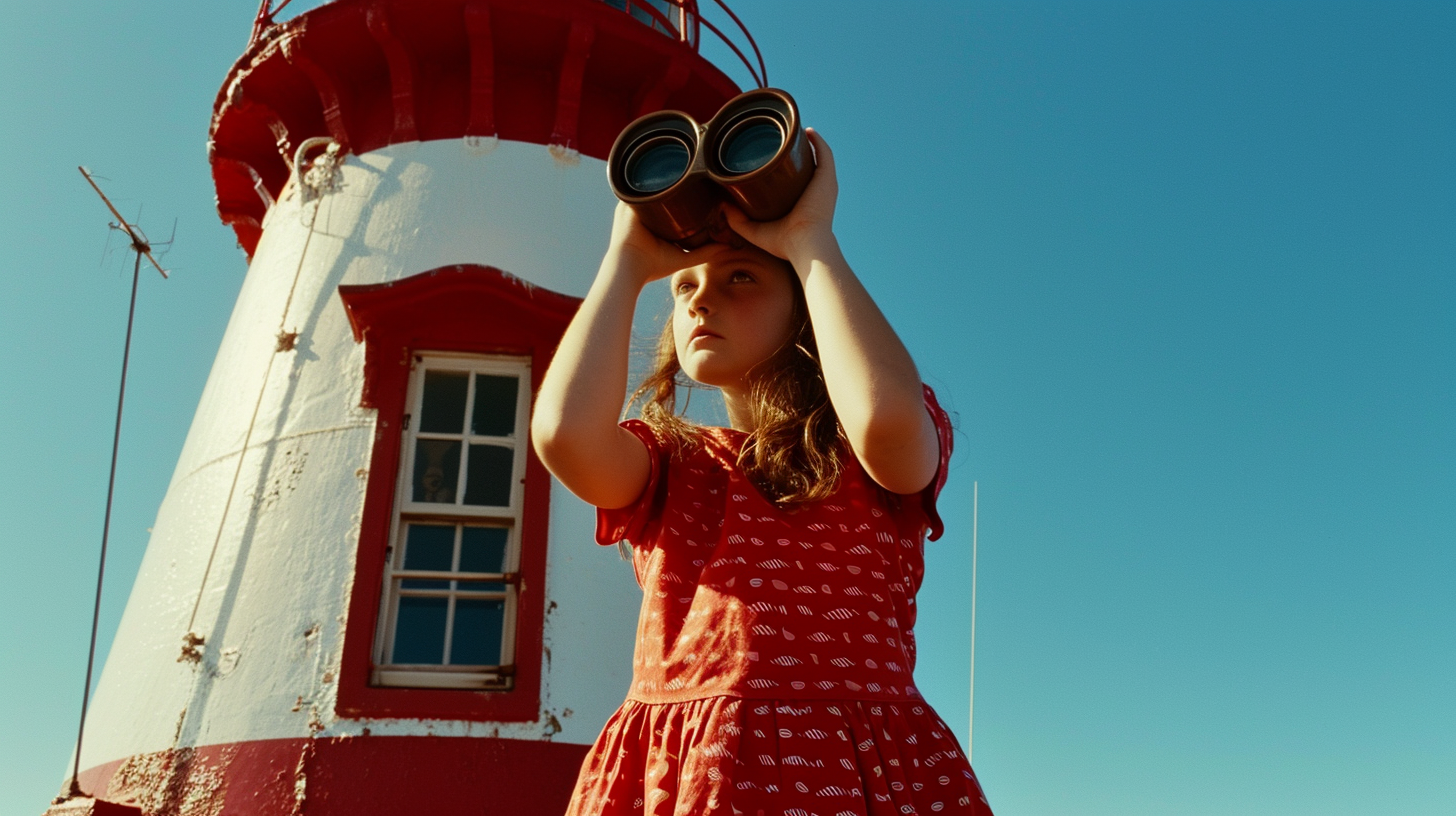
(780, 556)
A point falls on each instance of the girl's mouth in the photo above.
(702, 331)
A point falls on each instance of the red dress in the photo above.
(772, 674)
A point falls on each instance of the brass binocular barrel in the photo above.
(675, 172)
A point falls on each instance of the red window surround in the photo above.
(468, 309)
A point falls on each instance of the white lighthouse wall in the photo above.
(272, 608)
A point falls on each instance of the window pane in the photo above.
(437, 469)
(419, 632)
(481, 586)
(428, 547)
(444, 408)
(495, 406)
(483, 549)
(488, 475)
(477, 633)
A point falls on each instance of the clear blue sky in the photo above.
(1186, 271)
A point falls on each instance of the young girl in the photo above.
(779, 557)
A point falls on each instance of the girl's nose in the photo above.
(698, 304)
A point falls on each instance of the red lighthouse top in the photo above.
(370, 73)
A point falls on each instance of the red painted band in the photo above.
(348, 776)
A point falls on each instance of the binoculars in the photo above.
(675, 172)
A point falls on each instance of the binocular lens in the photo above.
(657, 163)
(750, 143)
(676, 172)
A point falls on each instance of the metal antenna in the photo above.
(139, 243)
(141, 247)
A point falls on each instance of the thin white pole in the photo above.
(975, 520)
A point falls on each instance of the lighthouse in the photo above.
(363, 594)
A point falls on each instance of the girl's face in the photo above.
(731, 313)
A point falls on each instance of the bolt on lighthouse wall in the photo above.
(360, 579)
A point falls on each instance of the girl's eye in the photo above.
(740, 277)
(684, 287)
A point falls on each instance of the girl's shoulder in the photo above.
(681, 471)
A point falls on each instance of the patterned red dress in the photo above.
(772, 674)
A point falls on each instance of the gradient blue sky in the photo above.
(1186, 272)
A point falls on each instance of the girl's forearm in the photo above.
(574, 424)
(870, 375)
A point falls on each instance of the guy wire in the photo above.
(248, 438)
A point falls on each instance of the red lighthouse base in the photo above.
(86, 806)
(342, 776)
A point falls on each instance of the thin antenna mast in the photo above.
(140, 246)
(975, 519)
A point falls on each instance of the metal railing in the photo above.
(679, 19)
(659, 13)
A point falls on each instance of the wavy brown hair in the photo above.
(796, 450)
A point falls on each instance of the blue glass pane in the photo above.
(477, 633)
(428, 547)
(444, 403)
(483, 549)
(488, 475)
(495, 405)
(480, 586)
(437, 469)
(419, 631)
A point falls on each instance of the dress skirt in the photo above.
(724, 756)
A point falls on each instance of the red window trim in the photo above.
(465, 309)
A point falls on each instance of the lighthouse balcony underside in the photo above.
(369, 73)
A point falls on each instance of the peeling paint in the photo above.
(564, 155)
(228, 661)
(174, 782)
(300, 778)
(282, 480)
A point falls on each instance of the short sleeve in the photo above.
(631, 521)
(944, 434)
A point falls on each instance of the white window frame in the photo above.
(498, 677)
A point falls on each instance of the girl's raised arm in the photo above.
(574, 424)
(871, 378)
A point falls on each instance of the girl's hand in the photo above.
(808, 224)
(641, 254)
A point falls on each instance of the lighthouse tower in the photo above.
(363, 594)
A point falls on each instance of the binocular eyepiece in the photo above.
(675, 172)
